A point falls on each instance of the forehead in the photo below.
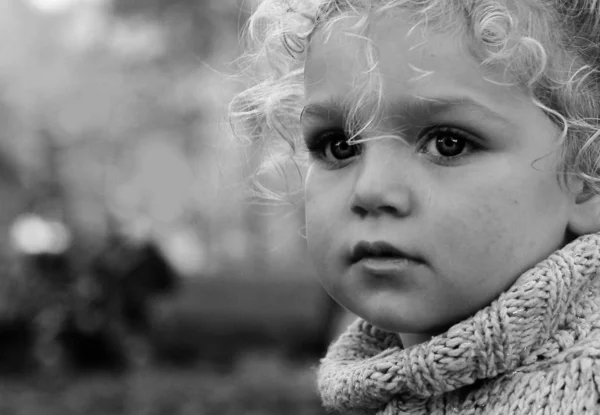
(409, 62)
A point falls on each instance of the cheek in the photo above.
(325, 194)
(321, 212)
(474, 228)
(476, 237)
(312, 200)
(494, 232)
(320, 238)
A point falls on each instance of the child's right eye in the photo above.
(333, 147)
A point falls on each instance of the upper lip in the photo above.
(379, 249)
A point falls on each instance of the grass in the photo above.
(258, 384)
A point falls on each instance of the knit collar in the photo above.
(545, 311)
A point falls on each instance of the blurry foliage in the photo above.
(201, 22)
(133, 97)
(121, 109)
(115, 117)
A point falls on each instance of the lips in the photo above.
(380, 250)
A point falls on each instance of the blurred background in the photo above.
(139, 276)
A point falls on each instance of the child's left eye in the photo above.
(446, 143)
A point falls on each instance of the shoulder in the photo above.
(568, 384)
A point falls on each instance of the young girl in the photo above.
(452, 194)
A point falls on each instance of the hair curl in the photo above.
(551, 48)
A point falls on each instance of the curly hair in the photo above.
(551, 48)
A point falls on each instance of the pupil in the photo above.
(449, 146)
(341, 149)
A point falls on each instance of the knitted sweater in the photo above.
(533, 350)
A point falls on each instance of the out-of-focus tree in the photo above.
(122, 105)
(203, 26)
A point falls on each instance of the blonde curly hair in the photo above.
(550, 47)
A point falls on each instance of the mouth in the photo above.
(380, 252)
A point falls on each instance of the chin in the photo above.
(393, 324)
(386, 323)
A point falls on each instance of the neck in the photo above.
(412, 339)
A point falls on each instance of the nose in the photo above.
(382, 185)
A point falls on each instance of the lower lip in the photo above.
(386, 266)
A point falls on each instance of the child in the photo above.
(452, 197)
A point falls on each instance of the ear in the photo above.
(585, 216)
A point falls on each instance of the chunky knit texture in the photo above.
(534, 350)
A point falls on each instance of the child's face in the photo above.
(474, 196)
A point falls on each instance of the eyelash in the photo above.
(317, 144)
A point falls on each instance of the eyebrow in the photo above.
(325, 110)
(417, 105)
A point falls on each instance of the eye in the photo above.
(338, 148)
(333, 146)
(447, 143)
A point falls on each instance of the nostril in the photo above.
(390, 210)
(359, 210)
(363, 211)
